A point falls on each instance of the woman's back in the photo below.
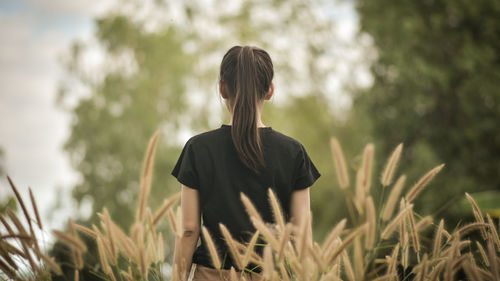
(209, 163)
(217, 166)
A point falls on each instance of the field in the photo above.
(383, 240)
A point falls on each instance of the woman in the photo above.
(245, 157)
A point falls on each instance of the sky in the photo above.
(35, 34)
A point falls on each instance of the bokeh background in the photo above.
(84, 85)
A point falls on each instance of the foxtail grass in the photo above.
(361, 249)
(340, 164)
(146, 176)
(212, 249)
(422, 182)
(390, 166)
(393, 198)
(232, 246)
(367, 166)
(477, 213)
(276, 207)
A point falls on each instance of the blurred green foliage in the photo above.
(113, 123)
(8, 201)
(435, 88)
(168, 83)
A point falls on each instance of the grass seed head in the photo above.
(358, 259)
(438, 239)
(102, 253)
(422, 182)
(277, 212)
(71, 240)
(477, 213)
(268, 264)
(232, 246)
(413, 231)
(494, 232)
(393, 198)
(348, 266)
(340, 163)
(390, 166)
(265, 231)
(371, 223)
(146, 176)
(212, 250)
(483, 253)
(423, 223)
(250, 248)
(250, 208)
(334, 234)
(391, 226)
(167, 204)
(35, 210)
(367, 166)
(21, 202)
(347, 241)
(360, 193)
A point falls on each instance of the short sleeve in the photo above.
(185, 170)
(305, 172)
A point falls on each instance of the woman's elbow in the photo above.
(191, 231)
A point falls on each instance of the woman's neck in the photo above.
(259, 122)
(260, 105)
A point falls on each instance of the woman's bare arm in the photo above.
(190, 232)
(300, 208)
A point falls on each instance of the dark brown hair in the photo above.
(246, 73)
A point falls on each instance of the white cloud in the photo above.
(86, 8)
(32, 129)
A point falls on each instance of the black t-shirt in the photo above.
(210, 164)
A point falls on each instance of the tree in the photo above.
(113, 123)
(156, 73)
(435, 88)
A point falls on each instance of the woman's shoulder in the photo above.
(285, 139)
(207, 136)
(284, 143)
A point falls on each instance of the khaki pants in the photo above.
(203, 273)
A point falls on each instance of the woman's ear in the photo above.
(270, 92)
(222, 90)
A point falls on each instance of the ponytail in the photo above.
(244, 131)
(247, 83)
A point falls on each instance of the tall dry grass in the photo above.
(384, 243)
(21, 255)
(140, 250)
